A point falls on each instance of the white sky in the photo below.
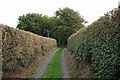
(10, 10)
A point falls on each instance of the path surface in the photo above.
(64, 67)
(42, 69)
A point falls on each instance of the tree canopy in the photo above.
(65, 22)
(70, 18)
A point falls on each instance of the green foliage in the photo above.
(32, 71)
(26, 76)
(35, 23)
(19, 48)
(11, 65)
(70, 22)
(38, 50)
(49, 46)
(31, 54)
(99, 46)
(70, 19)
(22, 61)
(60, 27)
(72, 73)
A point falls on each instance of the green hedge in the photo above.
(20, 48)
(100, 46)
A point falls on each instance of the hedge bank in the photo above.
(20, 48)
(99, 45)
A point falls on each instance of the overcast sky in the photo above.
(91, 10)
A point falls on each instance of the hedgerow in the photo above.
(99, 46)
(20, 48)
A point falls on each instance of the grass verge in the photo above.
(53, 69)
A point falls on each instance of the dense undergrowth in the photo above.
(20, 48)
(98, 45)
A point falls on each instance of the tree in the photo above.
(35, 23)
(71, 22)
(70, 19)
(60, 27)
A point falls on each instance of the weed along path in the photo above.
(42, 69)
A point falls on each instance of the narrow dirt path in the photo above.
(42, 69)
(64, 67)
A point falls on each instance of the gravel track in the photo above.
(64, 67)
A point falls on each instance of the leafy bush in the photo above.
(99, 45)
